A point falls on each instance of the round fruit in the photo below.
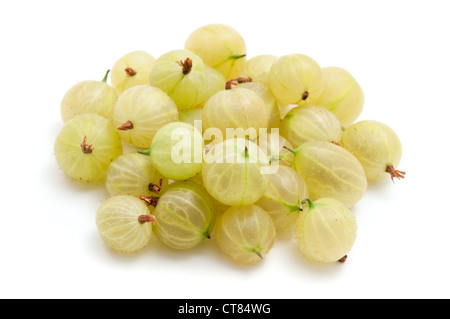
(132, 69)
(140, 112)
(86, 146)
(220, 47)
(282, 200)
(184, 215)
(124, 223)
(342, 95)
(326, 231)
(330, 171)
(296, 79)
(245, 233)
(182, 75)
(311, 123)
(89, 97)
(233, 172)
(133, 174)
(377, 147)
(258, 68)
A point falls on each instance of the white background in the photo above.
(397, 50)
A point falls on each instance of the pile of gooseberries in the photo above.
(224, 148)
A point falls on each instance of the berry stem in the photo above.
(149, 200)
(186, 65)
(291, 150)
(395, 173)
(128, 125)
(85, 148)
(309, 202)
(236, 57)
(130, 71)
(147, 219)
(259, 254)
(106, 76)
(146, 152)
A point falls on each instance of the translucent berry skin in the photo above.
(219, 208)
(148, 109)
(342, 95)
(215, 83)
(236, 180)
(102, 146)
(245, 233)
(132, 174)
(375, 145)
(184, 216)
(187, 88)
(330, 171)
(310, 123)
(271, 103)
(276, 147)
(165, 144)
(282, 200)
(220, 47)
(190, 116)
(88, 97)
(326, 231)
(296, 79)
(118, 224)
(258, 68)
(132, 69)
(235, 108)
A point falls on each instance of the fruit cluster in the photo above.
(186, 182)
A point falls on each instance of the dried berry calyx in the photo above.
(147, 219)
(395, 173)
(130, 71)
(187, 65)
(149, 200)
(343, 259)
(305, 95)
(87, 149)
(128, 125)
(229, 84)
(155, 188)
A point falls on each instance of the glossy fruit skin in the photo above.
(165, 143)
(375, 145)
(258, 68)
(342, 95)
(296, 79)
(266, 95)
(219, 208)
(106, 146)
(330, 171)
(88, 97)
(235, 108)
(220, 47)
(138, 62)
(274, 145)
(238, 179)
(282, 200)
(186, 90)
(310, 123)
(245, 233)
(132, 174)
(190, 116)
(184, 216)
(215, 83)
(327, 231)
(148, 108)
(118, 224)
